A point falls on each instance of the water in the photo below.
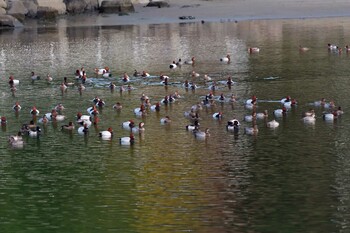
(291, 179)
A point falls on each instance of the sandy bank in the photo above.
(231, 10)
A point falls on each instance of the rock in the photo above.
(32, 8)
(18, 10)
(58, 5)
(81, 6)
(9, 21)
(46, 13)
(116, 6)
(3, 4)
(158, 4)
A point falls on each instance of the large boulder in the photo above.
(32, 8)
(17, 10)
(58, 5)
(116, 6)
(9, 21)
(158, 4)
(3, 4)
(81, 6)
(2, 11)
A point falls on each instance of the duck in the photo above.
(16, 141)
(63, 87)
(251, 130)
(117, 106)
(34, 111)
(155, 107)
(310, 113)
(207, 78)
(16, 107)
(309, 119)
(126, 78)
(190, 62)
(83, 130)
(332, 47)
(303, 49)
(280, 112)
(193, 126)
(43, 120)
(145, 74)
(70, 126)
(233, 125)
(49, 78)
(217, 115)
(253, 50)
(106, 74)
(251, 117)
(100, 103)
(272, 124)
(226, 59)
(173, 65)
(128, 125)
(139, 129)
(195, 74)
(331, 116)
(339, 111)
(262, 115)
(201, 134)
(92, 110)
(34, 133)
(127, 141)
(12, 81)
(347, 48)
(106, 134)
(34, 77)
(165, 120)
(59, 107)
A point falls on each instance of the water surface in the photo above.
(291, 179)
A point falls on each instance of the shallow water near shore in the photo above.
(290, 179)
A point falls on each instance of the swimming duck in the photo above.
(226, 59)
(34, 111)
(145, 74)
(139, 129)
(233, 125)
(16, 107)
(83, 130)
(155, 107)
(70, 126)
(16, 141)
(126, 141)
(165, 120)
(190, 62)
(272, 124)
(253, 50)
(332, 47)
(128, 125)
(173, 65)
(217, 115)
(262, 115)
(106, 134)
(331, 116)
(280, 112)
(251, 130)
(193, 126)
(117, 106)
(201, 134)
(303, 49)
(34, 132)
(34, 77)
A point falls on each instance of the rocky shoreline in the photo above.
(14, 12)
